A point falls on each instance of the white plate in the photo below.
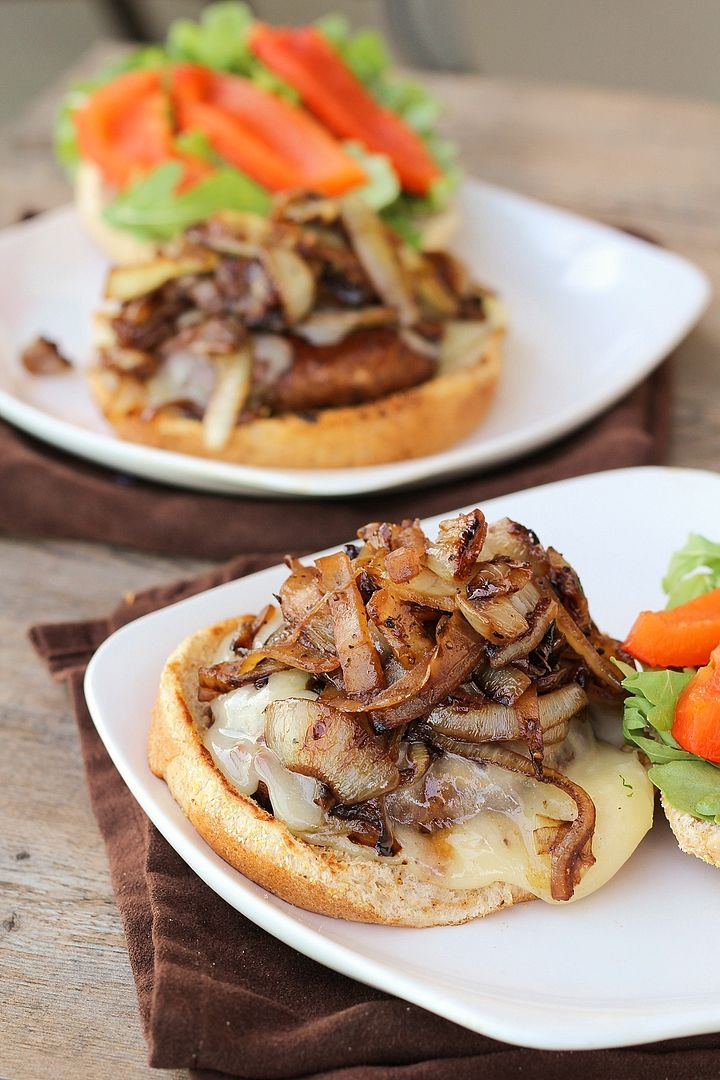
(591, 310)
(610, 970)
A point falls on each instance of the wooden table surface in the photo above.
(66, 995)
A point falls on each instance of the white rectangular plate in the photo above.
(610, 970)
(591, 312)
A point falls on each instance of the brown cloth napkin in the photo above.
(45, 493)
(221, 997)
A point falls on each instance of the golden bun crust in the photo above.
(408, 424)
(695, 837)
(118, 246)
(362, 888)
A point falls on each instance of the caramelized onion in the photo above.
(504, 685)
(539, 622)
(313, 739)
(359, 660)
(490, 722)
(234, 373)
(586, 651)
(372, 245)
(459, 542)
(400, 626)
(325, 328)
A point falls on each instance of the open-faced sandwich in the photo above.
(231, 111)
(314, 337)
(403, 736)
(672, 712)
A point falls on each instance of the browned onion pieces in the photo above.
(361, 667)
(466, 635)
(316, 740)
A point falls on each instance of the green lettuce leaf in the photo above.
(151, 210)
(649, 709)
(693, 570)
(692, 786)
(383, 186)
(220, 40)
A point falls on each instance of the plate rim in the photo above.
(279, 918)
(195, 473)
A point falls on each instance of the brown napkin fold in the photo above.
(46, 493)
(220, 996)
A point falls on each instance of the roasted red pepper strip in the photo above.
(306, 60)
(696, 726)
(125, 127)
(278, 144)
(681, 637)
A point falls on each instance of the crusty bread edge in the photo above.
(695, 837)
(362, 888)
(408, 424)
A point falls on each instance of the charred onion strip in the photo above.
(400, 626)
(375, 251)
(231, 675)
(457, 548)
(572, 854)
(359, 659)
(586, 651)
(490, 722)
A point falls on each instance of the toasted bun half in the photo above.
(695, 837)
(407, 424)
(362, 888)
(119, 246)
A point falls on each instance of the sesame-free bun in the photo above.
(359, 886)
(407, 424)
(119, 246)
(695, 837)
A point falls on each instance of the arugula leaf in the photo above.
(692, 786)
(151, 210)
(649, 709)
(693, 570)
(220, 40)
(198, 145)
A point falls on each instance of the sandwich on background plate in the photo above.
(231, 111)
(313, 337)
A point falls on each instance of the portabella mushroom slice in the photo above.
(334, 747)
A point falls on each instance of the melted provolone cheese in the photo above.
(494, 841)
(237, 745)
(497, 844)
